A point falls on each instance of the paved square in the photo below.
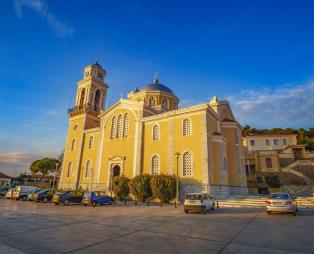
(28, 227)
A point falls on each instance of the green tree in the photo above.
(163, 187)
(47, 165)
(140, 187)
(120, 186)
(34, 167)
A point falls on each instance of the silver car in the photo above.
(281, 202)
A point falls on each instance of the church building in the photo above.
(148, 133)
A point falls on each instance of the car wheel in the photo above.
(45, 200)
(84, 204)
(186, 211)
(24, 198)
(212, 208)
(56, 203)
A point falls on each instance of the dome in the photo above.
(155, 86)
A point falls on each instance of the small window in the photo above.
(155, 165)
(267, 142)
(75, 127)
(275, 142)
(164, 103)
(114, 127)
(186, 127)
(152, 102)
(252, 142)
(269, 163)
(88, 169)
(69, 169)
(284, 142)
(119, 132)
(91, 143)
(187, 164)
(156, 133)
(73, 145)
(126, 125)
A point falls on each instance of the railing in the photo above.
(87, 106)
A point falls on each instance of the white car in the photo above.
(201, 202)
(21, 192)
(8, 195)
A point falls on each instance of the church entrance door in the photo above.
(116, 170)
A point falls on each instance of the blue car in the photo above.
(67, 197)
(96, 197)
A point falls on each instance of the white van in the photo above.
(21, 192)
(201, 202)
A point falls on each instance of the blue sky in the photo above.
(257, 54)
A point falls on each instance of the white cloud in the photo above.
(41, 8)
(13, 163)
(286, 106)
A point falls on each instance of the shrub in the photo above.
(163, 187)
(120, 186)
(140, 187)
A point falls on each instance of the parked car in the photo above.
(21, 192)
(67, 197)
(31, 193)
(9, 193)
(281, 202)
(43, 196)
(96, 198)
(3, 191)
(201, 202)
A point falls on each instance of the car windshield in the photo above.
(279, 196)
(60, 193)
(37, 191)
(194, 197)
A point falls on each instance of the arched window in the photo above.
(82, 98)
(156, 133)
(187, 164)
(152, 102)
(91, 142)
(73, 145)
(75, 127)
(114, 127)
(155, 165)
(164, 103)
(97, 100)
(69, 169)
(88, 170)
(126, 125)
(119, 132)
(186, 129)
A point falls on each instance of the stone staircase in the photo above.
(259, 201)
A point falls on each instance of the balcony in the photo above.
(86, 108)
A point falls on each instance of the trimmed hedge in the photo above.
(163, 187)
(140, 187)
(120, 186)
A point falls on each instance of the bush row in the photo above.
(143, 187)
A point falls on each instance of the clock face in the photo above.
(86, 74)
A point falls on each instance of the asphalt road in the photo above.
(27, 227)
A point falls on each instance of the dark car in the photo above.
(96, 198)
(67, 197)
(43, 196)
(3, 191)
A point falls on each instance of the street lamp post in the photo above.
(111, 178)
(177, 180)
(54, 177)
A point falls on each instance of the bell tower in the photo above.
(91, 95)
